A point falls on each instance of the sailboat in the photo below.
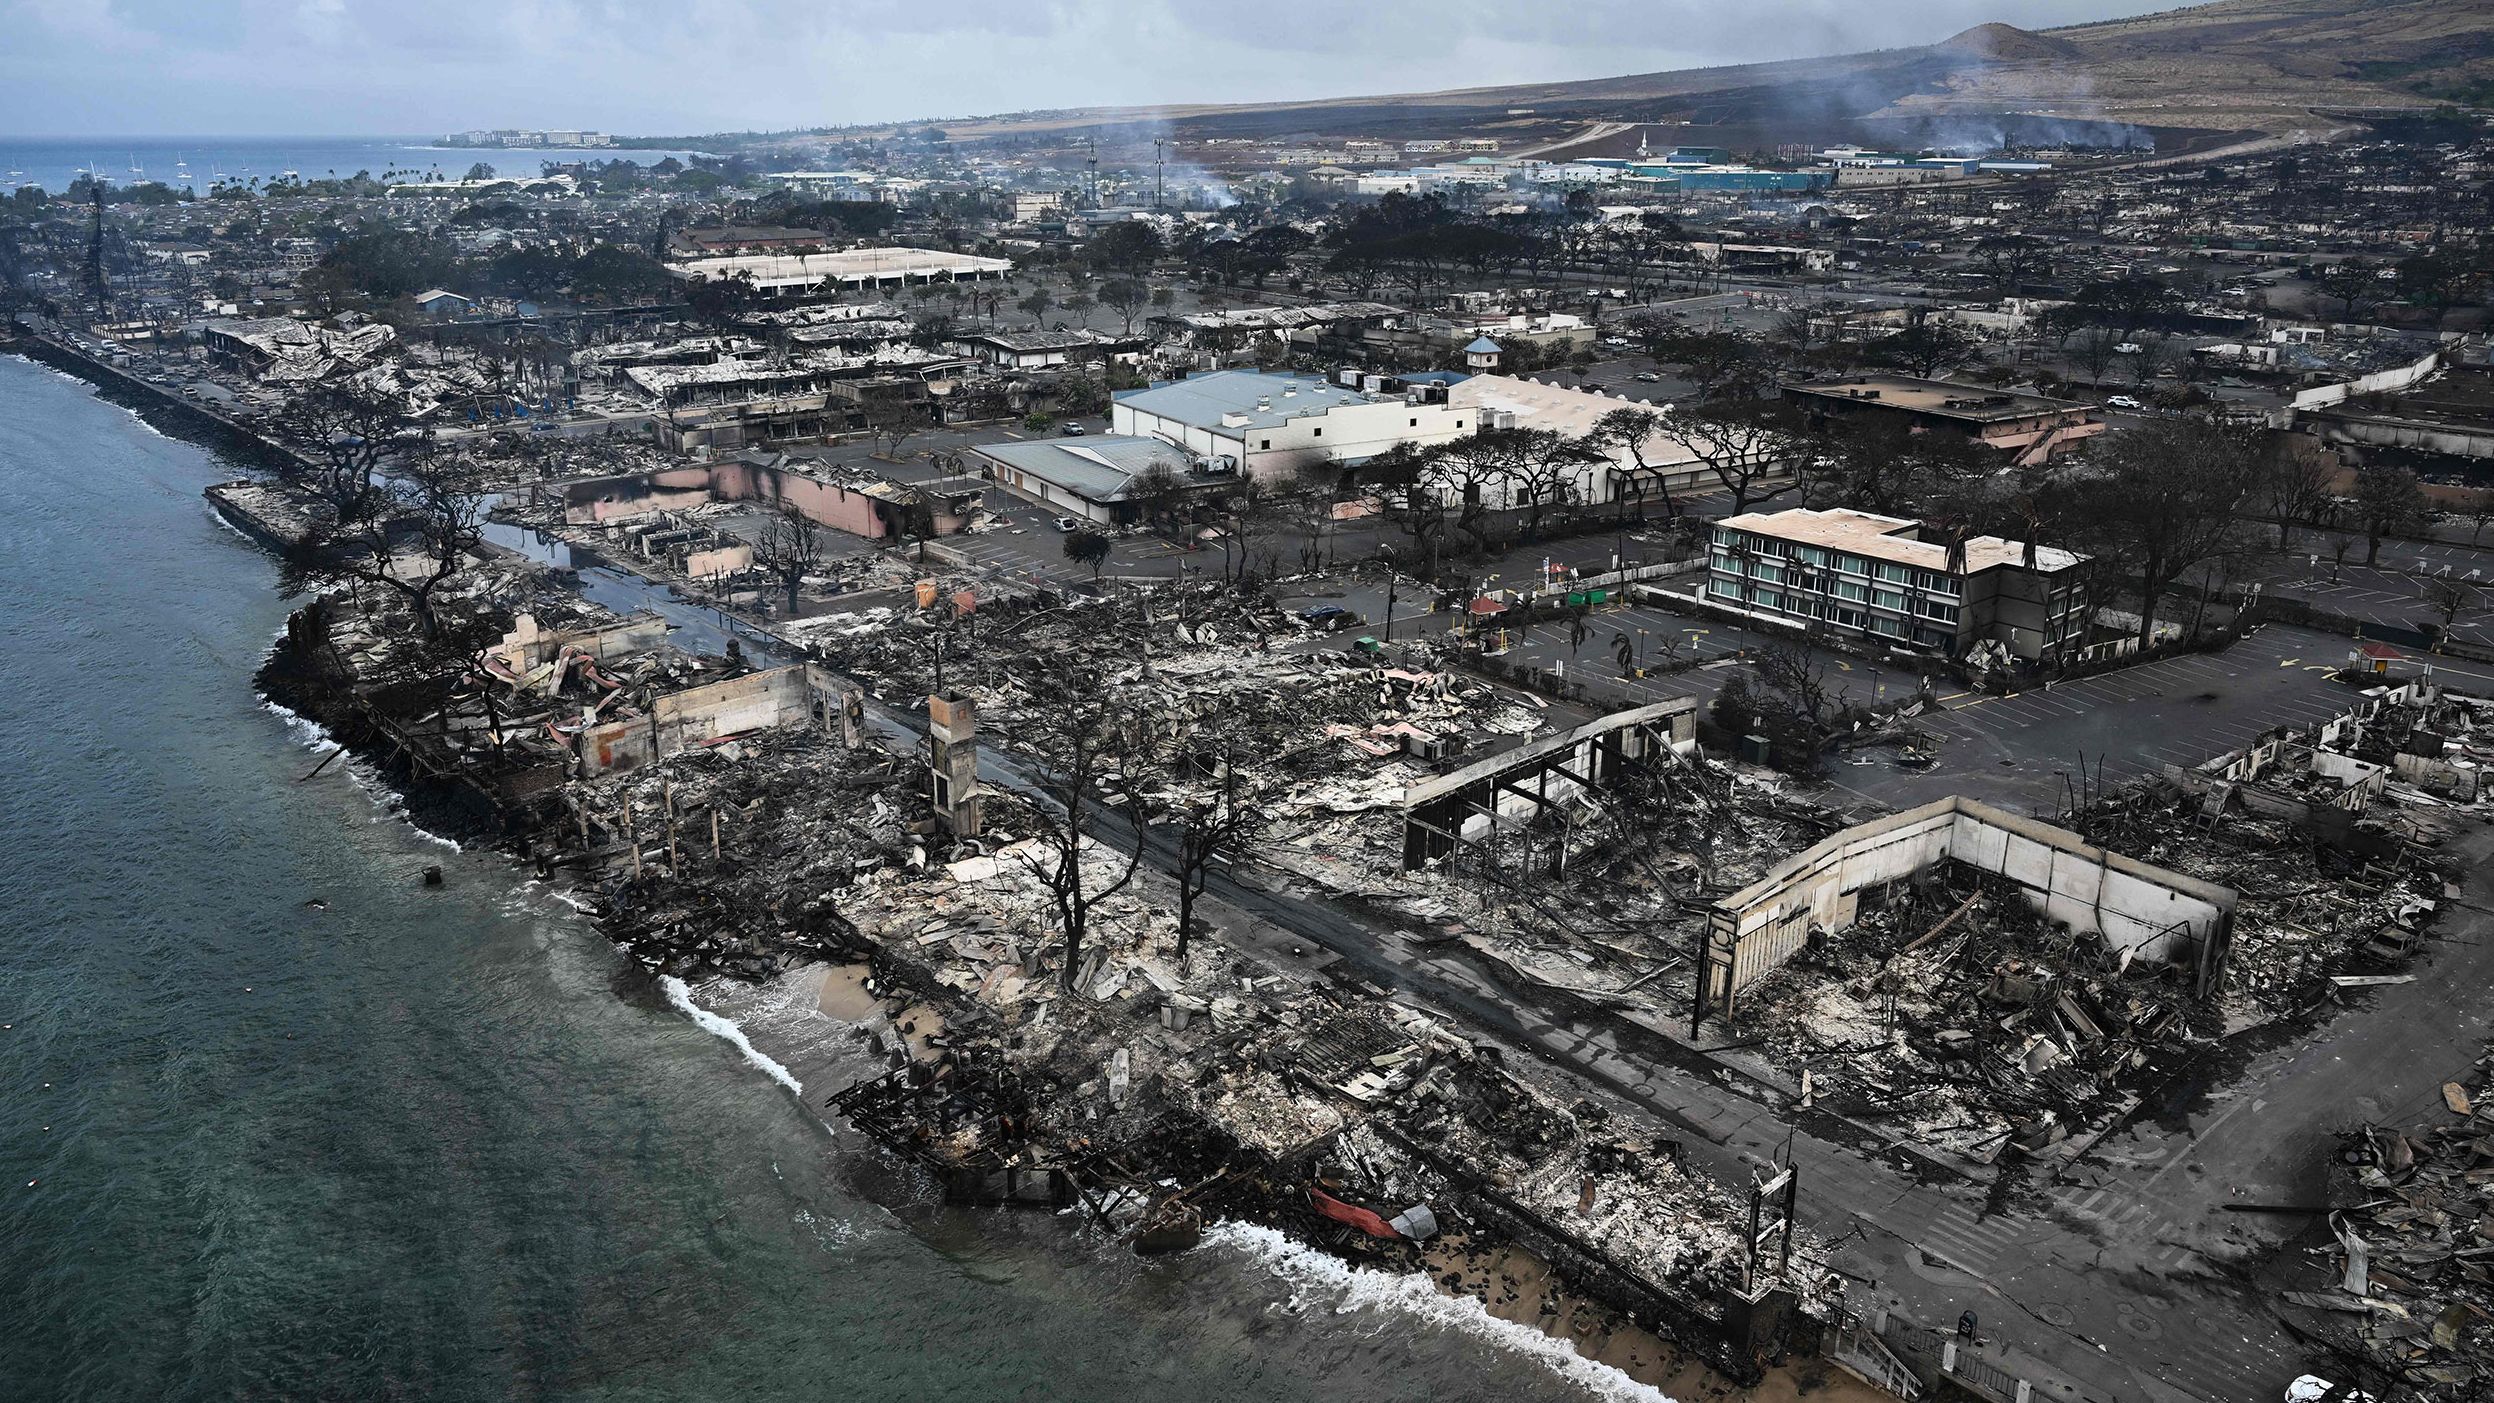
(181, 168)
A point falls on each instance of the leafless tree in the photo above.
(1788, 698)
(1126, 297)
(2155, 353)
(2162, 499)
(2388, 501)
(2478, 507)
(349, 431)
(1087, 751)
(410, 535)
(1406, 483)
(788, 549)
(893, 421)
(1796, 676)
(1928, 348)
(2092, 352)
(1218, 799)
(2351, 283)
(2294, 485)
(2451, 600)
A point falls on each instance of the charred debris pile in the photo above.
(1955, 1009)
(2328, 905)
(721, 821)
(2403, 1287)
(407, 687)
(1324, 740)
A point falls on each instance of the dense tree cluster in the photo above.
(379, 264)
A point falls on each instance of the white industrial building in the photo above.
(1671, 466)
(1271, 425)
(786, 274)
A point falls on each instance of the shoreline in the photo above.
(1584, 1329)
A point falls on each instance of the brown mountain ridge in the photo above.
(2279, 66)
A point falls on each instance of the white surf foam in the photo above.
(575, 903)
(309, 731)
(391, 804)
(140, 420)
(1311, 1273)
(220, 519)
(682, 997)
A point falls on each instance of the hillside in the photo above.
(2241, 63)
(2229, 65)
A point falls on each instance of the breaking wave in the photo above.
(682, 997)
(391, 804)
(219, 518)
(307, 730)
(1415, 1296)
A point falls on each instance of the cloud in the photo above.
(688, 66)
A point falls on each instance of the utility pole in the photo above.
(95, 245)
(1091, 171)
(1157, 148)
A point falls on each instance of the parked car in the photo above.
(1067, 523)
(1070, 429)
(1328, 617)
(2124, 402)
(1649, 378)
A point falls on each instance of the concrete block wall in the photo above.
(2438, 775)
(784, 696)
(719, 561)
(2132, 905)
(597, 501)
(527, 647)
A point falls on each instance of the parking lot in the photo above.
(2020, 751)
(2393, 591)
(2023, 751)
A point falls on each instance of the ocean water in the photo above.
(55, 162)
(278, 1121)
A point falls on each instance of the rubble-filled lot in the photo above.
(1958, 1014)
(1159, 1085)
(2404, 1287)
(1239, 1072)
(1336, 735)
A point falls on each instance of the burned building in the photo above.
(2137, 911)
(2028, 428)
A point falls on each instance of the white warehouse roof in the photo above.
(857, 265)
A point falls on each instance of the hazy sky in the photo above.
(313, 67)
